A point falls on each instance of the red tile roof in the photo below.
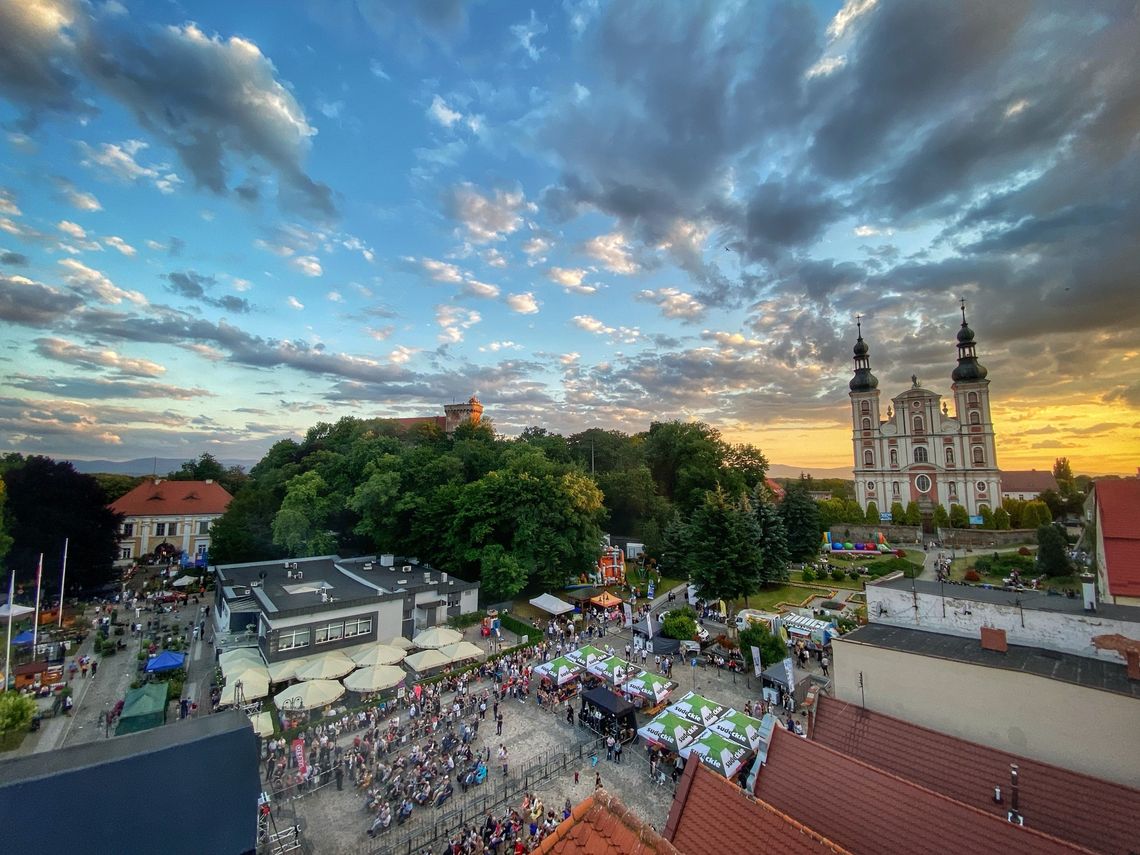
(602, 825)
(778, 492)
(872, 812)
(173, 498)
(1028, 481)
(1099, 815)
(710, 816)
(1118, 507)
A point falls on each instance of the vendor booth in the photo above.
(698, 708)
(604, 712)
(650, 688)
(738, 727)
(551, 604)
(777, 678)
(559, 671)
(670, 731)
(144, 708)
(606, 600)
(614, 670)
(724, 756)
(587, 655)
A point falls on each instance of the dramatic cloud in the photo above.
(88, 280)
(29, 303)
(486, 218)
(674, 303)
(117, 161)
(612, 252)
(61, 350)
(196, 287)
(13, 259)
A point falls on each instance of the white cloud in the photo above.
(674, 303)
(241, 284)
(310, 265)
(441, 271)
(571, 278)
(613, 252)
(335, 297)
(536, 248)
(381, 333)
(496, 346)
(493, 258)
(73, 229)
(294, 303)
(1016, 107)
(440, 113)
(590, 324)
(826, 65)
(8, 203)
(378, 70)
(581, 93)
(486, 218)
(847, 16)
(475, 288)
(524, 303)
(66, 351)
(82, 201)
(453, 321)
(732, 341)
(121, 245)
(527, 32)
(401, 354)
(86, 279)
(331, 109)
(569, 358)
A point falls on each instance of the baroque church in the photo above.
(919, 450)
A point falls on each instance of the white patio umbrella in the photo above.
(251, 689)
(309, 695)
(425, 660)
(436, 637)
(460, 651)
(240, 656)
(399, 641)
(183, 581)
(327, 666)
(280, 672)
(379, 654)
(262, 723)
(376, 678)
(245, 673)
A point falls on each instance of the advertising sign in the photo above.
(789, 674)
(975, 519)
(757, 667)
(299, 755)
(884, 516)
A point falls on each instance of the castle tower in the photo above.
(976, 448)
(456, 414)
(865, 420)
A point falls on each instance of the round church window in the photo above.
(922, 482)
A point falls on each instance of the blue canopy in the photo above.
(24, 637)
(167, 660)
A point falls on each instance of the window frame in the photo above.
(293, 635)
(357, 623)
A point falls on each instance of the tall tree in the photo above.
(724, 549)
(301, 526)
(958, 517)
(801, 522)
(941, 517)
(898, 513)
(48, 501)
(1063, 472)
(913, 515)
(209, 468)
(773, 540)
(872, 517)
(1052, 555)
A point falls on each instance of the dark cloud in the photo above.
(14, 259)
(36, 71)
(32, 304)
(197, 287)
(104, 387)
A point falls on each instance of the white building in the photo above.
(169, 518)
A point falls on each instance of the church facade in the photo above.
(919, 449)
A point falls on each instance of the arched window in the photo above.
(975, 417)
(868, 458)
(894, 457)
(971, 397)
(865, 406)
(979, 454)
(949, 456)
(920, 454)
(918, 424)
(894, 488)
(866, 424)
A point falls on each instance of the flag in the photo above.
(757, 667)
(628, 614)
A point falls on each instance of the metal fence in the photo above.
(472, 806)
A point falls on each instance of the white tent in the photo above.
(460, 651)
(279, 672)
(399, 641)
(551, 604)
(245, 673)
(327, 666)
(437, 636)
(14, 611)
(375, 679)
(241, 656)
(183, 582)
(426, 660)
(309, 695)
(263, 724)
(251, 689)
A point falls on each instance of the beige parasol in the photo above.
(436, 637)
(311, 694)
(376, 678)
(327, 666)
(379, 654)
(426, 660)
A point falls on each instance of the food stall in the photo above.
(604, 712)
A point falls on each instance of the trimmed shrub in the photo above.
(837, 574)
(808, 574)
(1025, 550)
(972, 576)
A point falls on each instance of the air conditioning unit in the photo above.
(292, 565)
(367, 565)
(256, 583)
(407, 568)
(298, 574)
(288, 573)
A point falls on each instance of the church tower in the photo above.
(865, 421)
(976, 446)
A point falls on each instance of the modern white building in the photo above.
(918, 450)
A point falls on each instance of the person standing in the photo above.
(94, 668)
(499, 725)
(824, 662)
(503, 758)
(339, 776)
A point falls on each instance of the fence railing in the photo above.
(476, 803)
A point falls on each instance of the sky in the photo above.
(221, 223)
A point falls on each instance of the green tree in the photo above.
(674, 555)
(1016, 509)
(116, 486)
(301, 526)
(679, 623)
(5, 538)
(801, 522)
(941, 517)
(773, 540)
(1001, 519)
(1063, 472)
(16, 712)
(209, 468)
(1036, 513)
(1052, 555)
(724, 549)
(872, 515)
(772, 647)
(958, 517)
(898, 513)
(912, 515)
(987, 517)
(502, 575)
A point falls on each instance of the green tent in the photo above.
(144, 708)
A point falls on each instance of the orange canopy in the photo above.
(606, 600)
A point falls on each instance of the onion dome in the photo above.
(864, 380)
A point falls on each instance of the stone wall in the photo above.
(974, 537)
(896, 535)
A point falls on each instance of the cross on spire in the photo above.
(963, 302)
(859, 324)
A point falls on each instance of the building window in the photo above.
(290, 639)
(972, 398)
(922, 482)
(894, 457)
(894, 488)
(949, 457)
(868, 458)
(204, 527)
(870, 486)
(918, 428)
(128, 530)
(865, 406)
(125, 553)
(330, 632)
(360, 626)
(866, 424)
(920, 454)
(979, 455)
(981, 485)
(975, 417)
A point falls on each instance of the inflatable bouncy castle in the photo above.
(611, 566)
(877, 547)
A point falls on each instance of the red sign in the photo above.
(299, 754)
(418, 690)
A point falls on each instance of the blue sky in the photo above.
(223, 222)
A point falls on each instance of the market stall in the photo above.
(741, 728)
(606, 601)
(614, 670)
(670, 731)
(651, 688)
(698, 708)
(559, 671)
(724, 756)
(587, 655)
(604, 712)
(144, 708)
(551, 604)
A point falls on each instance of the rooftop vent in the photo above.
(387, 559)
(1014, 815)
(407, 568)
(367, 565)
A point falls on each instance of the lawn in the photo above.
(11, 741)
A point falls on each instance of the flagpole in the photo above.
(62, 580)
(36, 625)
(8, 649)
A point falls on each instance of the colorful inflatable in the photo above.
(833, 545)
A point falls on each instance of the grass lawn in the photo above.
(770, 596)
(846, 582)
(12, 741)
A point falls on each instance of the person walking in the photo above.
(824, 662)
(339, 776)
(597, 780)
(499, 725)
(94, 668)
(503, 758)
(617, 752)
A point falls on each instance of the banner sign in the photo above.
(299, 755)
(789, 674)
(975, 519)
(757, 666)
(885, 516)
(652, 590)
(628, 614)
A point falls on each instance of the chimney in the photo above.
(1088, 591)
(443, 578)
(1014, 816)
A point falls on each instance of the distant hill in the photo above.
(782, 470)
(146, 465)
